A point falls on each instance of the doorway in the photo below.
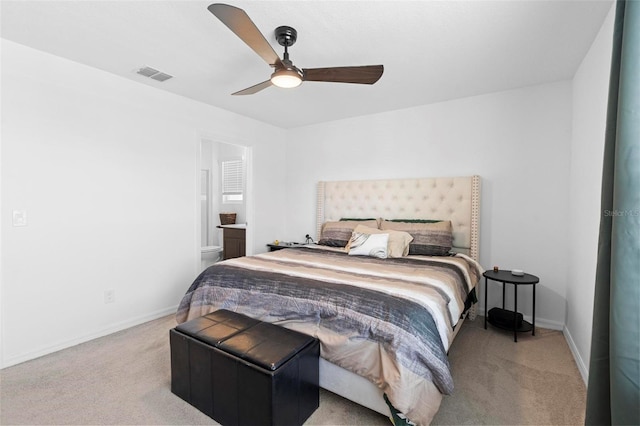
(223, 187)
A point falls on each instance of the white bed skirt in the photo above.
(351, 386)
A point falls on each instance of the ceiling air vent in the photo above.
(154, 74)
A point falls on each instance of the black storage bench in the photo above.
(241, 371)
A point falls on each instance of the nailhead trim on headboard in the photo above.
(474, 250)
(319, 209)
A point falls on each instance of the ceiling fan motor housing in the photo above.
(286, 36)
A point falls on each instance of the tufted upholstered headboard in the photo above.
(449, 198)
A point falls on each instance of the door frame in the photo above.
(249, 201)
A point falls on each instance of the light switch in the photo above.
(19, 218)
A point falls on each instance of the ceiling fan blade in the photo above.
(239, 22)
(368, 74)
(254, 89)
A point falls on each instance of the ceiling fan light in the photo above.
(286, 78)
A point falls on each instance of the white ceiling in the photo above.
(431, 50)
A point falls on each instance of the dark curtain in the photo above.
(613, 395)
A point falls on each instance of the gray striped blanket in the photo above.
(355, 305)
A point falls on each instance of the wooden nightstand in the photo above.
(234, 240)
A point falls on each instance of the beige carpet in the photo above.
(124, 378)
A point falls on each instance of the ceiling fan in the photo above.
(286, 75)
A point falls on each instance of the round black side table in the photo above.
(506, 277)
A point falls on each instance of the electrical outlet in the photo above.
(109, 296)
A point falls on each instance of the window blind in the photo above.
(232, 181)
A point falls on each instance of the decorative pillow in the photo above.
(374, 245)
(338, 234)
(431, 239)
(378, 220)
(397, 246)
(415, 220)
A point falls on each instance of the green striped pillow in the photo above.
(430, 239)
(338, 234)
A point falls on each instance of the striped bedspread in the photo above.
(390, 320)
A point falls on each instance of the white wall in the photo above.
(590, 91)
(518, 142)
(106, 170)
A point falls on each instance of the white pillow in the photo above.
(398, 245)
(374, 245)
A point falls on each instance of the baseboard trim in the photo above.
(113, 328)
(582, 366)
(122, 325)
(545, 323)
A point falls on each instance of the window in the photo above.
(232, 181)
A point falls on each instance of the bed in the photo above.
(385, 320)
